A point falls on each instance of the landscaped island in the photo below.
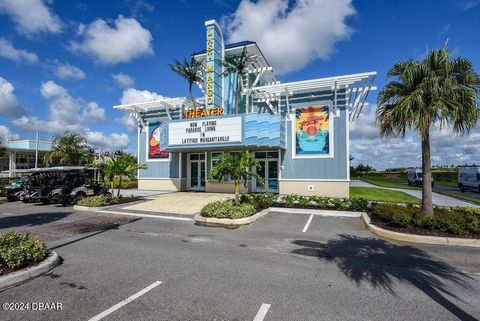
(406, 218)
(18, 251)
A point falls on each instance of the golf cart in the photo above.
(44, 184)
(14, 190)
(80, 184)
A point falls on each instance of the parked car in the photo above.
(469, 178)
(14, 190)
(415, 177)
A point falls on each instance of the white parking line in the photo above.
(305, 228)
(149, 215)
(262, 312)
(124, 302)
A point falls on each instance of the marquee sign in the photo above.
(214, 56)
(202, 132)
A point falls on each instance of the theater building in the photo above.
(298, 131)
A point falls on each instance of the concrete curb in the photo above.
(413, 238)
(93, 209)
(226, 222)
(15, 278)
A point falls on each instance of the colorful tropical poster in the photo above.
(154, 151)
(312, 130)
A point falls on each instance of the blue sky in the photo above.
(63, 65)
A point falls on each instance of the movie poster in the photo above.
(312, 129)
(154, 151)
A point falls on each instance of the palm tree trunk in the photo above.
(192, 98)
(237, 192)
(238, 93)
(427, 203)
(119, 185)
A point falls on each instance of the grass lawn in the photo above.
(447, 183)
(382, 195)
(388, 182)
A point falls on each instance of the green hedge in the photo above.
(228, 209)
(264, 200)
(458, 221)
(19, 250)
(102, 200)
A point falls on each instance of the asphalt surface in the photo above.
(438, 199)
(336, 270)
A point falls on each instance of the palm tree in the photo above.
(69, 149)
(190, 70)
(238, 64)
(239, 167)
(122, 166)
(437, 90)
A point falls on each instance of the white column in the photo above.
(12, 163)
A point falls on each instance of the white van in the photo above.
(415, 177)
(469, 177)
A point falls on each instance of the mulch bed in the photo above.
(416, 230)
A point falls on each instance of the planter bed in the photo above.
(101, 201)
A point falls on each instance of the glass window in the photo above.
(193, 156)
(272, 155)
(260, 155)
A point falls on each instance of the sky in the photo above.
(64, 64)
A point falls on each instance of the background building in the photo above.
(21, 156)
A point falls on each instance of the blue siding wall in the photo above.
(316, 168)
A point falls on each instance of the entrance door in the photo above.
(196, 172)
(268, 170)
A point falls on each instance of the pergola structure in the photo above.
(169, 108)
(356, 86)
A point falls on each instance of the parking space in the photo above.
(274, 269)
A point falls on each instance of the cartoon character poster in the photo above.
(154, 151)
(312, 129)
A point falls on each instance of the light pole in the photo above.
(36, 151)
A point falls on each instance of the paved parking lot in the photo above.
(284, 267)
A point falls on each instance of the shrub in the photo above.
(396, 215)
(94, 201)
(459, 221)
(290, 200)
(102, 200)
(358, 204)
(18, 250)
(261, 200)
(228, 209)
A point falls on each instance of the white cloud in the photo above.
(95, 113)
(18, 55)
(31, 16)
(72, 114)
(367, 146)
(9, 104)
(112, 141)
(291, 37)
(67, 71)
(123, 80)
(7, 134)
(122, 42)
(132, 95)
(129, 122)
